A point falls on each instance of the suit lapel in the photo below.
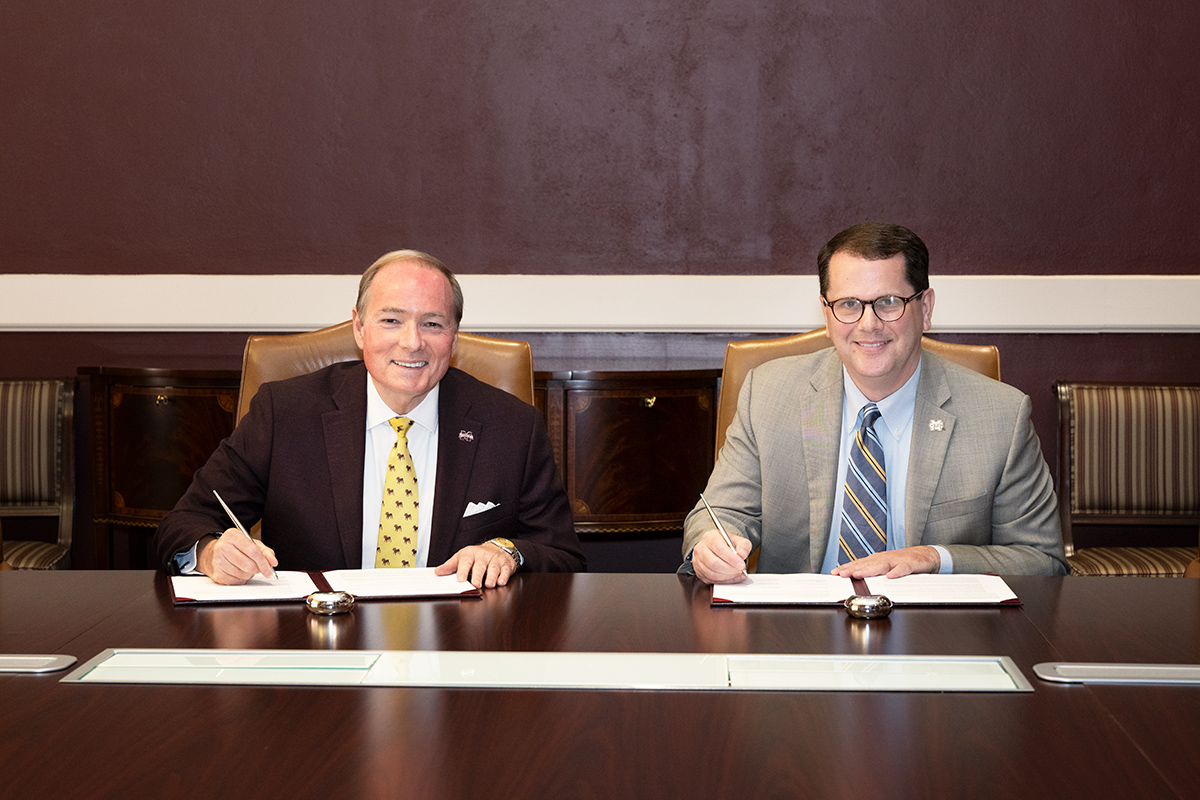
(822, 430)
(458, 435)
(345, 445)
(933, 426)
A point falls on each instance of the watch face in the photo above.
(505, 543)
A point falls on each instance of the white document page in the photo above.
(942, 589)
(202, 589)
(792, 589)
(419, 582)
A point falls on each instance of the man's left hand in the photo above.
(483, 565)
(892, 563)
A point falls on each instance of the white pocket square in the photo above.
(477, 508)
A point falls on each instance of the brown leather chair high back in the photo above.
(503, 363)
(741, 357)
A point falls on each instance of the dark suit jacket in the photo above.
(296, 462)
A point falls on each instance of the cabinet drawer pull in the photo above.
(649, 402)
(161, 400)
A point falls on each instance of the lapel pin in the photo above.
(466, 436)
(936, 425)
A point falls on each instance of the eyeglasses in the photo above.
(888, 308)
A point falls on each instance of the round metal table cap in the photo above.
(329, 603)
(868, 606)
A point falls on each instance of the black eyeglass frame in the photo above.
(862, 306)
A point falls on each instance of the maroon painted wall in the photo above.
(629, 136)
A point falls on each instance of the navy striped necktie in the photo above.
(864, 510)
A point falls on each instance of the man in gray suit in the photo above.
(874, 457)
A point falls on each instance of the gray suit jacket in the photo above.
(978, 486)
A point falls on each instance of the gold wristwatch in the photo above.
(507, 546)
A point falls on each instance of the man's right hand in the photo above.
(233, 559)
(714, 562)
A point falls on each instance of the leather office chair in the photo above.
(503, 363)
(741, 357)
(37, 478)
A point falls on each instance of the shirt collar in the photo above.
(424, 415)
(896, 409)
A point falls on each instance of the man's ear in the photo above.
(927, 306)
(356, 326)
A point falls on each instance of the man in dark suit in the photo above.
(313, 458)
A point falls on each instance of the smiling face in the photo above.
(407, 332)
(879, 356)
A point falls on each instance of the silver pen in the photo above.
(720, 528)
(242, 527)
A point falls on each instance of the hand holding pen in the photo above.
(725, 535)
(235, 559)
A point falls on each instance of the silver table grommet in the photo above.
(868, 606)
(329, 603)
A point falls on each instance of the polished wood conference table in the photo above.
(1061, 741)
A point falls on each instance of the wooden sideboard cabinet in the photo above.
(151, 429)
(635, 448)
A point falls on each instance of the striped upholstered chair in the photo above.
(37, 471)
(1128, 456)
(3, 563)
(1193, 569)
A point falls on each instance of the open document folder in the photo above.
(364, 584)
(813, 589)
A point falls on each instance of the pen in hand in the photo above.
(242, 528)
(721, 528)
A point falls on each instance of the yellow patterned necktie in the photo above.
(397, 545)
